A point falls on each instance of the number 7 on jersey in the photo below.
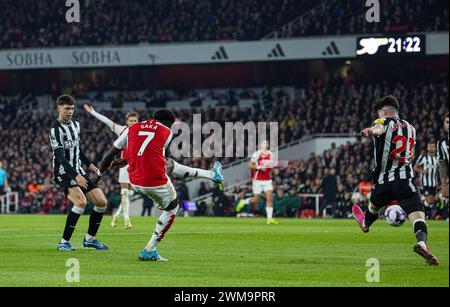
(150, 136)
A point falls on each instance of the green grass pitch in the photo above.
(221, 252)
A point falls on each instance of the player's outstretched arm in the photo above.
(376, 130)
(106, 162)
(107, 159)
(112, 125)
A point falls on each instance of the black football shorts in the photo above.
(403, 191)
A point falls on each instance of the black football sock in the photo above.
(95, 220)
(71, 222)
(421, 231)
(371, 217)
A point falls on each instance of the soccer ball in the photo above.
(395, 216)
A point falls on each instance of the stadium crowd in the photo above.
(349, 17)
(347, 166)
(335, 106)
(27, 23)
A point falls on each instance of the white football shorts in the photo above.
(260, 186)
(124, 177)
(163, 196)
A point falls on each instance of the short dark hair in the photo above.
(166, 117)
(386, 101)
(446, 116)
(65, 99)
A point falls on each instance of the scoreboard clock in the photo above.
(391, 45)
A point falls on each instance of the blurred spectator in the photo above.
(4, 187)
(219, 200)
(324, 107)
(115, 22)
(344, 205)
(147, 206)
(330, 191)
(28, 23)
(348, 17)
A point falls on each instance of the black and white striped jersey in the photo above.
(442, 146)
(67, 156)
(430, 165)
(394, 151)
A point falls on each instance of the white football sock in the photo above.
(126, 204)
(88, 237)
(269, 211)
(183, 171)
(162, 226)
(119, 210)
(374, 210)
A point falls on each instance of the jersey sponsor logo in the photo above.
(71, 143)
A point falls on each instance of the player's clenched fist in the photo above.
(119, 163)
(367, 132)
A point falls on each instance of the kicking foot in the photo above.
(217, 169)
(426, 254)
(359, 216)
(153, 256)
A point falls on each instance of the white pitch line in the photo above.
(131, 234)
(150, 232)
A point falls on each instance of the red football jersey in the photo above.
(146, 143)
(264, 160)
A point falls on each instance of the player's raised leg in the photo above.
(365, 220)
(76, 196)
(183, 171)
(380, 197)
(96, 197)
